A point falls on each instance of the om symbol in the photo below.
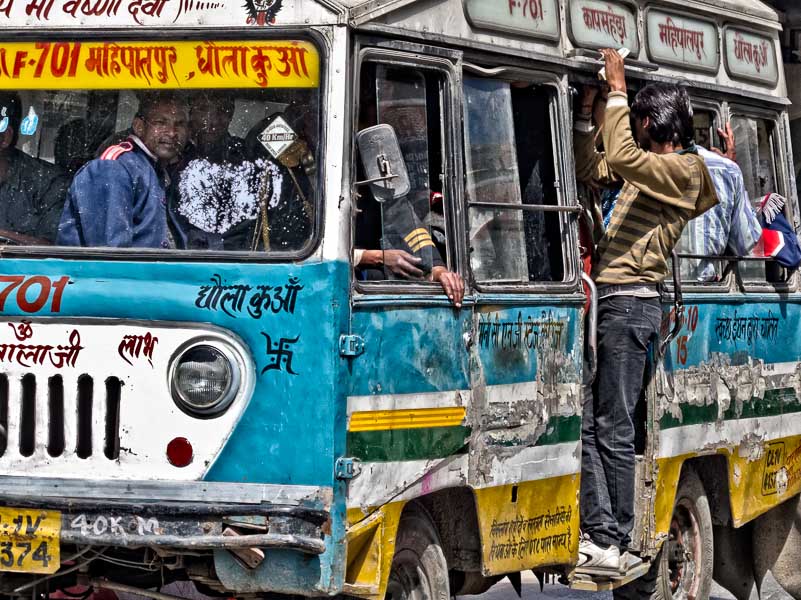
(22, 331)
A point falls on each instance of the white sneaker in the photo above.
(628, 561)
(595, 560)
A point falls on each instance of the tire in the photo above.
(419, 570)
(683, 567)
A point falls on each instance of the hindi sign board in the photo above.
(688, 42)
(158, 65)
(534, 18)
(750, 56)
(604, 24)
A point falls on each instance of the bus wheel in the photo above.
(685, 569)
(419, 569)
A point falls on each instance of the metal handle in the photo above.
(592, 325)
(678, 304)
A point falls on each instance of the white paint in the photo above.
(676, 39)
(160, 13)
(692, 438)
(751, 56)
(449, 399)
(149, 418)
(604, 23)
(380, 483)
(533, 464)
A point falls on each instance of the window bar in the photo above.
(527, 207)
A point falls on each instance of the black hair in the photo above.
(11, 103)
(149, 101)
(223, 100)
(669, 112)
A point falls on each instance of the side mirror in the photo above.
(383, 163)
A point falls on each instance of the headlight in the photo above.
(204, 379)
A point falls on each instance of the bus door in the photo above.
(527, 349)
(410, 390)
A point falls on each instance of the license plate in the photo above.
(29, 540)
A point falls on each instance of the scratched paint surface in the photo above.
(731, 384)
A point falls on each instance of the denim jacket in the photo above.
(117, 200)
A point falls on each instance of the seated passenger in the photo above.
(406, 249)
(32, 191)
(230, 193)
(119, 199)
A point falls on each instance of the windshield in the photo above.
(185, 145)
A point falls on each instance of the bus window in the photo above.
(755, 156)
(189, 169)
(406, 238)
(509, 161)
(166, 158)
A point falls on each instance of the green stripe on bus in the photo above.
(407, 444)
(561, 430)
(775, 403)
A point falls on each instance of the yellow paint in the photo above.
(384, 420)
(764, 476)
(371, 546)
(534, 525)
(159, 65)
(30, 540)
(760, 477)
(667, 481)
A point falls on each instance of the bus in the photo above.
(237, 366)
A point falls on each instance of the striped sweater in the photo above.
(661, 193)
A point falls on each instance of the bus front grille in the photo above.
(59, 417)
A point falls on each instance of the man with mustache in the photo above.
(119, 199)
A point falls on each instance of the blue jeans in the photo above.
(626, 327)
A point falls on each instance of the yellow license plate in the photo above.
(29, 540)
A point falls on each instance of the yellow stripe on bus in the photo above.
(418, 418)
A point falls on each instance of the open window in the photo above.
(402, 239)
(758, 157)
(514, 212)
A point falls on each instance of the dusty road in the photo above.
(531, 591)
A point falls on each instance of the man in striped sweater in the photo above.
(665, 184)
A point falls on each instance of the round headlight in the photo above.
(205, 380)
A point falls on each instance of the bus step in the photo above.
(590, 583)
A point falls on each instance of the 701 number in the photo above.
(33, 293)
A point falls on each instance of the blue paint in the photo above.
(410, 350)
(279, 438)
(522, 333)
(712, 336)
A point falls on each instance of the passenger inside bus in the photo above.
(70, 128)
(401, 239)
(119, 199)
(229, 193)
(32, 191)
